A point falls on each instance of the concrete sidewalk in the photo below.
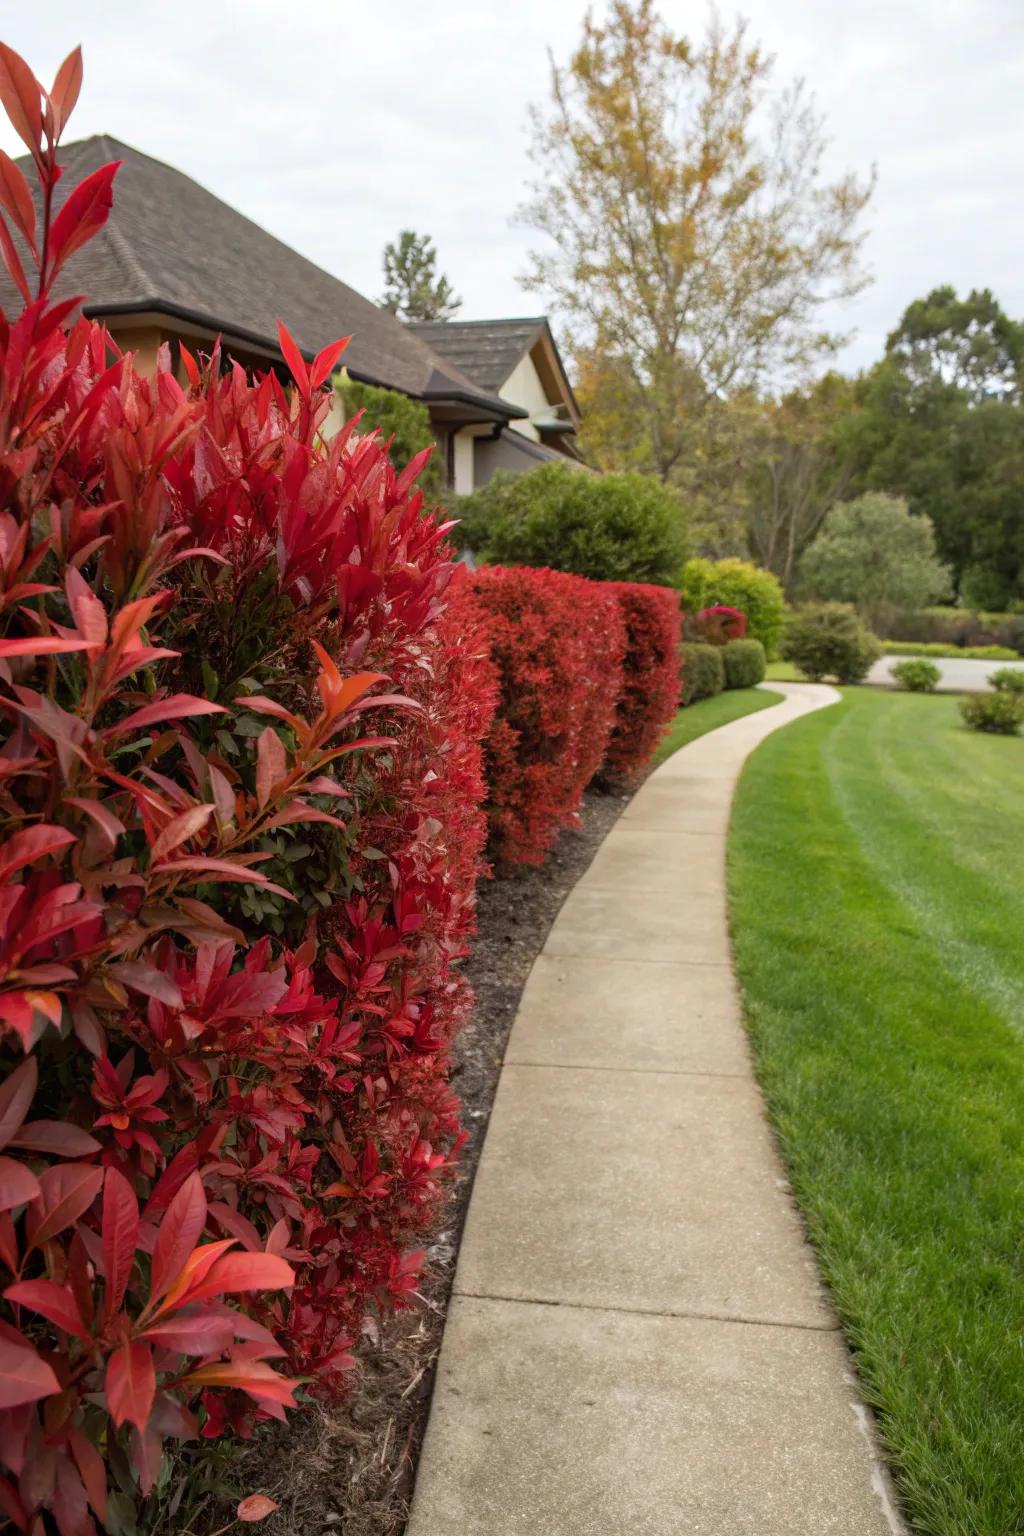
(638, 1343)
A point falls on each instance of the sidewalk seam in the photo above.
(700, 1317)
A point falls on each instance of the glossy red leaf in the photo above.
(54, 1302)
(192, 1332)
(66, 86)
(91, 1470)
(271, 764)
(178, 706)
(252, 1376)
(179, 1232)
(147, 980)
(18, 1184)
(179, 829)
(323, 364)
(55, 1138)
(16, 1095)
(16, 199)
(21, 97)
(131, 1384)
(237, 1272)
(30, 844)
(24, 1377)
(67, 1192)
(40, 645)
(120, 1235)
(293, 357)
(83, 215)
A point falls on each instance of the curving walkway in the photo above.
(638, 1343)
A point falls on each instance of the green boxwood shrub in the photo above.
(937, 648)
(1001, 713)
(737, 584)
(745, 663)
(916, 675)
(608, 527)
(1007, 680)
(830, 641)
(702, 671)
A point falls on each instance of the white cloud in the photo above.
(336, 125)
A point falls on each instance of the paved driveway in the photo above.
(959, 675)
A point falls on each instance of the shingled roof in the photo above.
(172, 248)
(488, 350)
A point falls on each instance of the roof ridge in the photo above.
(498, 320)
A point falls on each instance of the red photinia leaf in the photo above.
(11, 1505)
(179, 1231)
(131, 1384)
(18, 1184)
(195, 1269)
(16, 1095)
(40, 645)
(271, 764)
(55, 1138)
(21, 95)
(325, 360)
(256, 1507)
(31, 844)
(13, 262)
(66, 86)
(178, 706)
(110, 825)
(83, 215)
(237, 1272)
(16, 199)
(91, 1470)
(252, 1376)
(66, 1193)
(147, 980)
(178, 830)
(192, 1332)
(54, 1302)
(120, 1235)
(24, 1377)
(293, 357)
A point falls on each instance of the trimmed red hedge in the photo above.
(557, 643)
(649, 697)
(240, 793)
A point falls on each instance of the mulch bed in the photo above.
(349, 1471)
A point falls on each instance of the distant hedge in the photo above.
(608, 527)
(737, 584)
(701, 671)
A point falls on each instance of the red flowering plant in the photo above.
(650, 675)
(231, 914)
(557, 643)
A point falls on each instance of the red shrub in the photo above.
(228, 948)
(721, 623)
(650, 674)
(556, 642)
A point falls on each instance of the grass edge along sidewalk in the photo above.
(708, 714)
(875, 911)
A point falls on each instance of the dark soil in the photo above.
(349, 1470)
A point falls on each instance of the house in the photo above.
(518, 361)
(176, 264)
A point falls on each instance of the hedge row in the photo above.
(587, 681)
(706, 669)
(241, 803)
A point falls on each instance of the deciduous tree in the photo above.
(875, 553)
(694, 237)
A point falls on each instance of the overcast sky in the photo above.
(334, 125)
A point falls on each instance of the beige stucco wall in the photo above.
(462, 444)
(144, 341)
(523, 387)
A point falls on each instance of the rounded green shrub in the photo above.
(830, 641)
(1007, 680)
(702, 671)
(608, 527)
(745, 663)
(737, 584)
(916, 675)
(1001, 713)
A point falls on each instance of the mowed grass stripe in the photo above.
(893, 1076)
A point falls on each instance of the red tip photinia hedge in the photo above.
(649, 696)
(556, 642)
(239, 781)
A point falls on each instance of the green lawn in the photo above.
(707, 714)
(877, 897)
(783, 672)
